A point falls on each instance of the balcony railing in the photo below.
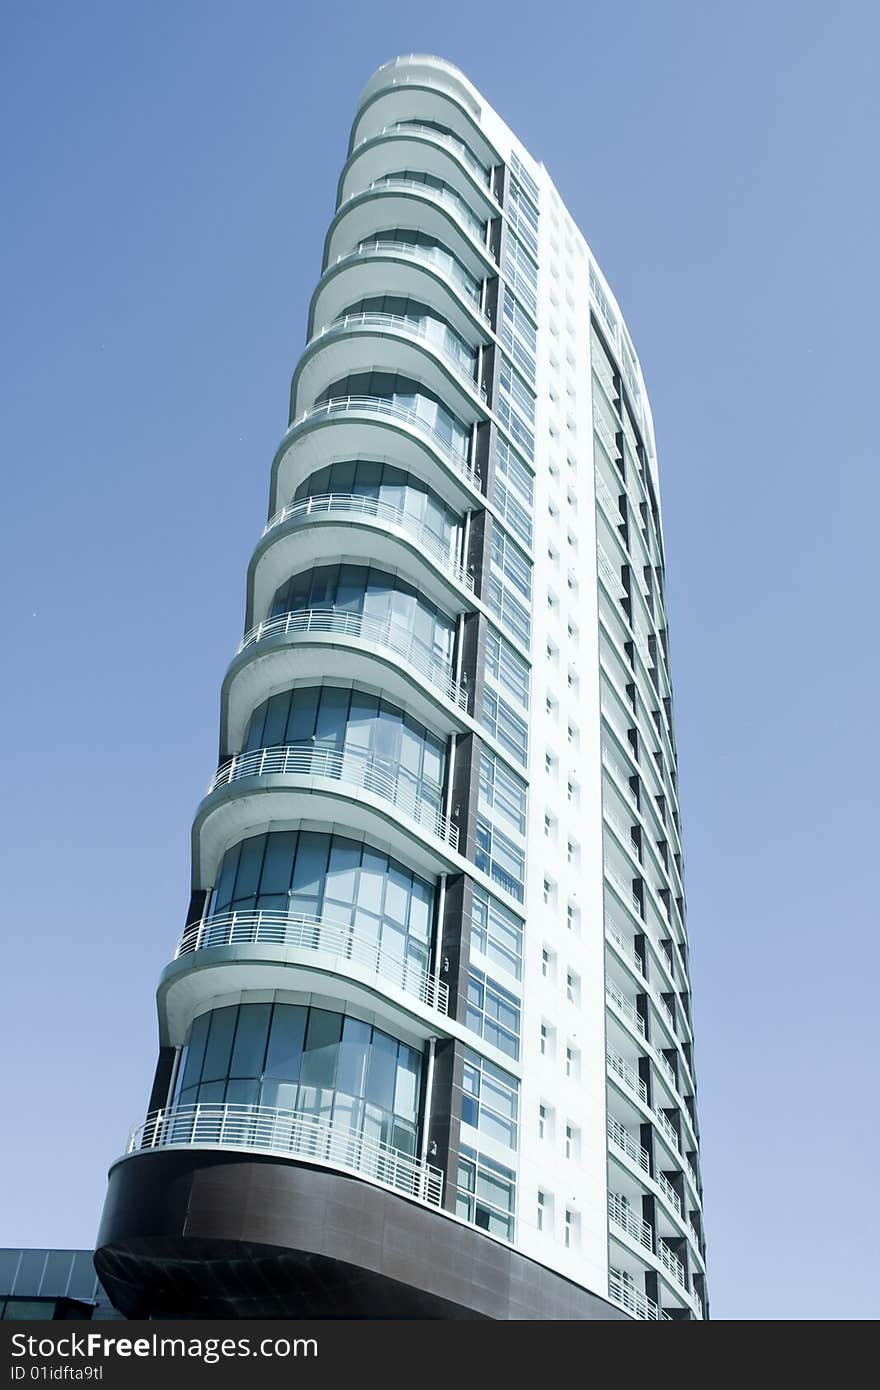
(457, 205)
(621, 1139)
(673, 1265)
(351, 767)
(452, 141)
(621, 1214)
(461, 363)
(429, 255)
(625, 1007)
(627, 1074)
(304, 932)
(632, 958)
(289, 1134)
(624, 1292)
(353, 504)
(455, 454)
(391, 635)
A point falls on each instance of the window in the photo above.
(513, 491)
(572, 987)
(493, 1013)
(548, 1046)
(573, 852)
(498, 856)
(574, 737)
(574, 794)
(486, 1193)
(571, 1141)
(573, 632)
(496, 933)
(572, 1062)
(508, 728)
(573, 917)
(542, 1210)
(507, 669)
(549, 892)
(572, 1229)
(551, 706)
(502, 793)
(550, 825)
(312, 874)
(547, 963)
(490, 1100)
(314, 1060)
(573, 681)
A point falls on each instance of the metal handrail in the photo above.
(469, 219)
(452, 140)
(624, 1006)
(378, 405)
(383, 632)
(622, 1214)
(348, 503)
(626, 1074)
(673, 1265)
(412, 249)
(632, 958)
(622, 1139)
(624, 1292)
(302, 931)
(378, 775)
(669, 1192)
(368, 318)
(292, 1134)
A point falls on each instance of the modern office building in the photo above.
(51, 1286)
(425, 1041)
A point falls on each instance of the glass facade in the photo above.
(423, 318)
(405, 394)
(390, 486)
(347, 721)
(486, 1193)
(308, 1060)
(446, 260)
(490, 1103)
(373, 593)
(314, 874)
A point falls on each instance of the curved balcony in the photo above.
(439, 263)
(401, 202)
(288, 1134)
(454, 142)
(389, 635)
(434, 88)
(357, 769)
(288, 784)
(461, 364)
(365, 416)
(413, 145)
(330, 643)
(300, 932)
(365, 528)
(366, 342)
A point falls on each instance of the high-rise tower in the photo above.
(425, 1041)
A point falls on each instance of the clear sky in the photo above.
(168, 174)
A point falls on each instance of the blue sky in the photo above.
(167, 184)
